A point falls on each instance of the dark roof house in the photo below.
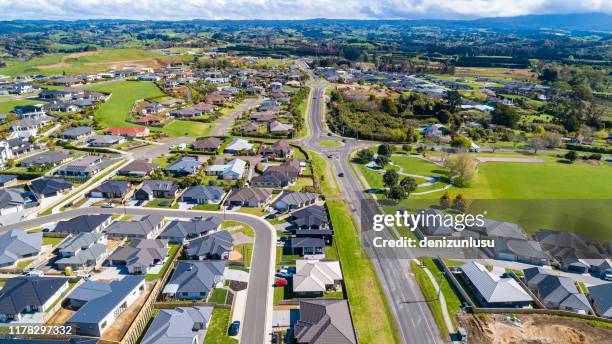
(324, 321)
(212, 246)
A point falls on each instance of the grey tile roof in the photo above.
(46, 158)
(314, 215)
(519, 247)
(159, 185)
(49, 186)
(297, 198)
(76, 132)
(214, 245)
(324, 321)
(10, 198)
(249, 195)
(78, 242)
(15, 244)
(209, 143)
(501, 229)
(101, 298)
(187, 229)
(195, 276)
(556, 291)
(184, 165)
(82, 224)
(307, 242)
(141, 227)
(209, 193)
(177, 326)
(5, 178)
(494, 288)
(138, 166)
(114, 187)
(142, 253)
(602, 299)
(20, 292)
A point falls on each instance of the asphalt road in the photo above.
(256, 327)
(414, 319)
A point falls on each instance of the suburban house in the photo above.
(157, 189)
(238, 145)
(17, 244)
(130, 132)
(105, 140)
(233, 170)
(179, 325)
(492, 289)
(99, 304)
(78, 133)
(24, 296)
(184, 166)
(116, 189)
(217, 246)
(324, 321)
(309, 248)
(499, 229)
(140, 255)
(82, 168)
(49, 158)
(49, 187)
(137, 168)
(147, 227)
(248, 197)
(556, 292)
(200, 194)
(600, 295)
(195, 280)
(11, 201)
(181, 231)
(209, 144)
(276, 127)
(311, 221)
(85, 250)
(294, 200)
(315, 277)
(7, 180)
(279, 149)
(520, 250)
(84, 224)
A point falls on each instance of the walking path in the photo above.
(441, 298)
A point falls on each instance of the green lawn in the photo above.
(330, 143)
(429, 293)
(320, 171)
(114, 112)
(252, 211)
(59, 299)
(178, 128)
(51, 241)
(8, 106)
(210, 207)
(24, 263)
(246, 250)
(218, 296)
(171, 255)
(155, 203)
(453, 303)
(218, 326)
(243, 228)
(364, 292)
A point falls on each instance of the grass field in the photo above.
(86, 62)
(571, 197)
(114, 112)
(178, 128)
(364, 293)
(330, 143)
(218, 326)
(320, 170)
(8, 106)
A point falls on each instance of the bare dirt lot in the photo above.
(537, 328)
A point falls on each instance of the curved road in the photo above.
(414, 319)
(257, 324)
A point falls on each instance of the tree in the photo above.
(505, 115)
(390, 178)
(551, 140)
(454, 100)
(571, 156)
(409, 184)
(382, 161)
(536, 143)
(443, 116)
(460, 203)
(364, 156)
(397, 192)
(406, 147)
(445, 200)
(385, 149)
(463, 169)
(460, 141)
(388, 106)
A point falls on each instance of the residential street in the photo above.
(258, 311)
(413, 317)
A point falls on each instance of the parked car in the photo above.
(234, 328)
(46, 230)
(35, 272)
(341, 174)
(197, 218)
(281, 283)
(108, 205)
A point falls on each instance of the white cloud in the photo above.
(289, 9)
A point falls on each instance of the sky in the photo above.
(290, 9)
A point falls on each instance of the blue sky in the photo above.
(290, 9)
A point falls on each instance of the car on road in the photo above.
(234, 328)
(196, 218)
(341, 174)
(108, 205)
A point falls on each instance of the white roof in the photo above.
(493, 287)
(239, 144)
(235, 166)
(314, 275)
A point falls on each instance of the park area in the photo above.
(572, 197)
